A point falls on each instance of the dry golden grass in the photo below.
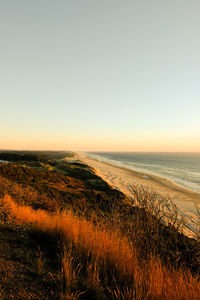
(106, 256)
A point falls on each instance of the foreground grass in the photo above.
(99, 262)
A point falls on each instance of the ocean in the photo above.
(180, 168)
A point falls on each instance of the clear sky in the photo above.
(100, 75)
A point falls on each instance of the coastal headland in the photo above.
(68, 230)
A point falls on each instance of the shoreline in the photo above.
(122, 178)
(139, 175)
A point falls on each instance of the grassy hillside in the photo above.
(66, 234)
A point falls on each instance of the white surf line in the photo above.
(122, 178)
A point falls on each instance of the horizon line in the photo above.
(103, 151)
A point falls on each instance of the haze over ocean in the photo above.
(181, 168)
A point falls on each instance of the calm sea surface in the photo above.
(181, 168)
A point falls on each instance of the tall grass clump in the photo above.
(68, 277)
(103, 263)
(37, 261)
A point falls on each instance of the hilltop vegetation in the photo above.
(66, 234)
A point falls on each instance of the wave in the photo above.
(180, 169)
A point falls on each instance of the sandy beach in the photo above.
(122, 178)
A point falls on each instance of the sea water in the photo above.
(181, 168)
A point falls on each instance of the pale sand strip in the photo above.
(121, 178)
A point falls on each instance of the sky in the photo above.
(100, 75)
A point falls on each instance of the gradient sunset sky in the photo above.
(103, 75)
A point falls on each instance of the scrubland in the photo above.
(101, 249)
